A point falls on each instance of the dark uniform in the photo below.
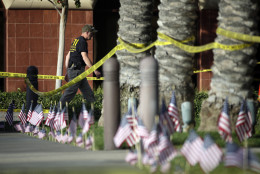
(75, 68)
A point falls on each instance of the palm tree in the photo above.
(135, 26)
(232, 71)
(177, 19)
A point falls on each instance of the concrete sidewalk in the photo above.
(21, 153)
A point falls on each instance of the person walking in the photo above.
(76, 61)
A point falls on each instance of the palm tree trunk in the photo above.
(232, 70)
(135, 26)
(177, 19)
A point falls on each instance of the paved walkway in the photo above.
(21, 153)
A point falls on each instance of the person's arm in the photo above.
(89, 63)
(67, 60)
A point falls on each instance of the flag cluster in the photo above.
(57, 120)
(243, 123)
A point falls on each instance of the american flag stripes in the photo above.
(174, 113)
(49, 116)
(165, 148)
(84, 111)
(224, 127)
(165, 120)
(9, 113)
(59, 122)
(244, 123)
(131, 157)
(81, 120)
(73, 126)
(22, 115)
(210, 155)
(253, 162)
(51, 121)
(42, 134)
(79, 140)
(89, 142)
(66, 114)
(123, 132)
(29, 114)
(191, 149)
(234, 155)
(141, 129)
(37, 115)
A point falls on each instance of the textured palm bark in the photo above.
(232, 70)
(135, 26)
(177, 19)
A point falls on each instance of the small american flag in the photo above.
(58, 136)
(253, 162)
(84, 111)
(66, 114)
(64, 138)
(79, 140)
(244, 123)
(81, 120)
(165, 120)
(58, 120)
(63, 115)
(191, 148)
(141, 129)
(18, 127)
(29, 114)
(224, 127)
(174, 113)
(123, 132)
(37, 115)
(131, 157)
(210, 156)
(89, 142)
(165, 148)
(85, 128)
(49, 117)
(52, 118)
(234, 155)
(73, 126)
(9, 113)
(91, 119)
(42, 134)
(150, 143)
(22, 115)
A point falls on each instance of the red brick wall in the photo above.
(32, 39)
(207, 34)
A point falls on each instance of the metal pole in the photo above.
(148, 91)
(111, 102)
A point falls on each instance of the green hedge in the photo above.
(19, 98)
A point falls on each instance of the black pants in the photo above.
(83, 85)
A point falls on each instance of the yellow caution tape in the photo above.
(78, 78)
(238, 36)
(22, 75)
(19, 110)
(198, 49)
(137, 48)
(199, 71)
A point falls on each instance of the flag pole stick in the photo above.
(93, 129)
(74, 139)
(31, 134)
(137, 146)
(67, 110)
(61, 119)
(85, 135)
(245, 156)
